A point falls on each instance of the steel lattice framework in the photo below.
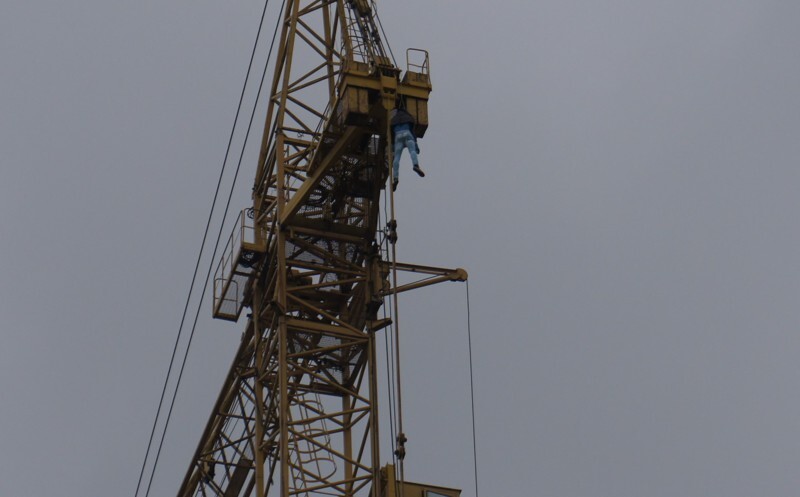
(298, 413)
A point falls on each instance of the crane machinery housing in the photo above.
(314, 264)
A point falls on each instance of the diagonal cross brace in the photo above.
(308, 185)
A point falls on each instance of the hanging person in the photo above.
(402, 124)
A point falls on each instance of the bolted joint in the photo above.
(277, 308)
(459, 275)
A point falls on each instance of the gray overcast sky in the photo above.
(620, 178)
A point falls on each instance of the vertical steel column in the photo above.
(280, 290)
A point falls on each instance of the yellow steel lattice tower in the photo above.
(298, 413)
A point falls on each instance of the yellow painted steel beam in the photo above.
(302, 194)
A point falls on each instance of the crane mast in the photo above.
(298, 413)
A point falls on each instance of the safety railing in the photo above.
(418, 61)
(245, 246)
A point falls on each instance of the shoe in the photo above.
(419, 171)
(394, 184)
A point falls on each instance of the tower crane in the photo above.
(313, 264)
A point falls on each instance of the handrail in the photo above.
(424, 67)
(234, 266)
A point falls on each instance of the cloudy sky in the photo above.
(620, 179)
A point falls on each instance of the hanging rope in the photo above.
(400, 438)
(389, 383)
(389, 331)
(472, 394)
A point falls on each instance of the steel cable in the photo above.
(385, 39)
(472, 394)
(389, 344)
(197, 265)
(200, 255)
(216, 247)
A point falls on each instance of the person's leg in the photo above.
(411, 144)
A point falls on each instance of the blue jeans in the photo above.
(403, 139)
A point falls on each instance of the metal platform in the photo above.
(245, 247)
